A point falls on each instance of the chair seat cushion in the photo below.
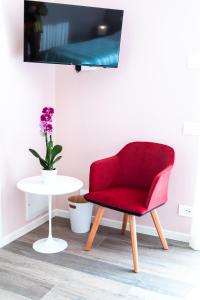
(128, 200)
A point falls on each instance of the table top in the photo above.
(62, 185)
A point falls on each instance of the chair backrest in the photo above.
(140, 162)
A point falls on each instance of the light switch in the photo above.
(191, 128)
(194, 61)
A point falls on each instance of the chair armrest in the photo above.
(159, 188)
(104, 173)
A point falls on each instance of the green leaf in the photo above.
(47, 157)
(57, 159)
(50, 144)
(49, 153)
(43, 164)
(55, 151)
(34, 153)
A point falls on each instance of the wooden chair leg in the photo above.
(134, 243)
(94, 228)
(125, 220)
(159, 229)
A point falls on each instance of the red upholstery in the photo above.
(135, 180)
(134, 199)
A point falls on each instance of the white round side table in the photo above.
(62, 185)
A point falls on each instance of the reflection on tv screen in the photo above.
(70, 34)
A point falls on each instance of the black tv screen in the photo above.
(71, 34)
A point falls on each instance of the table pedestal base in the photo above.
(50, 245)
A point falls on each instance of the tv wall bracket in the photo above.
(80, 68)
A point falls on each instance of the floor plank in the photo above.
(7, 295)
(22, 285)
(103, 273)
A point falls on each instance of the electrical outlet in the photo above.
(185, 211)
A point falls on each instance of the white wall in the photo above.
(1, 34)
(149, 97)
(25, 89)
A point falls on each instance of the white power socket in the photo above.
(185, 211)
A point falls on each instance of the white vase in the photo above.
(49, 176)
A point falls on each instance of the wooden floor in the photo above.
(103, 273)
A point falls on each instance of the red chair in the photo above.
(135, 182)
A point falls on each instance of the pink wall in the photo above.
(149, 97)
(25, 88)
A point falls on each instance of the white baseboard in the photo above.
(178, 236)
(169, 234)
(61, 213)
(24, 230)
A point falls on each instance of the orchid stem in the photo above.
(46, 139)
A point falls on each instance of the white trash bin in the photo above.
(80, 213)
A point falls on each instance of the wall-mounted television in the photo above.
(71, 35)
